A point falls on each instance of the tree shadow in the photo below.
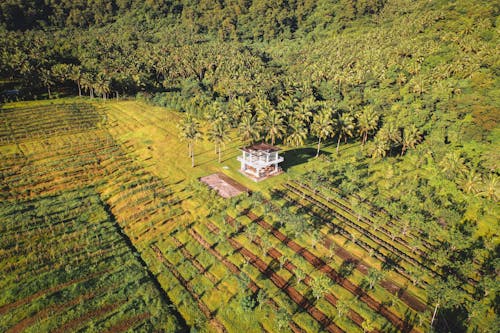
(298, 156)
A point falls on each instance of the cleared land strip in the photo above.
(392, 287)
(276, 255)
(128, 323)
(7, 307)
(202, 306)
(282, 284)
(235, 270)
(51, 310)
(334, 276)
(195, 262)
(364, 245)
(73, 324)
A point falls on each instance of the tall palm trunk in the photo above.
(192, 156)
(319, 145)
(338, 144)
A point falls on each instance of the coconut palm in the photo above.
(344, 127)
(303, 111)
(367, 122)
(47, 79)
(470, 182)
(322, 127)
(101, 85)
(390, 133)
(274, 125)
(491, 187)
(248, 128)
(239, 108)
(87, 82)
(320, 286)
(75, 74)
(190, 132)
(411, 137)
(218, 134)
(379, 148)
(453, 164)
(297, 133)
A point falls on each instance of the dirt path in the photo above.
(235, 270)
(71, 325)
(7, 307)
(387, 284)
(282, 284)
(201, 305)
(52, 310)
(334, 276)
(196, 263)
(275, 254)
(127, 323)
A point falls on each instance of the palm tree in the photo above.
(344, 128)
(390, 133)
(379, 147)
(75, 74)
(453, 164)
(248, 128)
(47, 78)
(320, 286)
(374, 276)
(322, 126)
(218, 135)
(101, 85)
(470, 183)
(297, 133)
(274, 125)
(190, 132)
(491, 187)
(411, 137)
(87, 82)
(239, 108)
(367, 122)
(303, 111)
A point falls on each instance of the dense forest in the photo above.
(416, 83)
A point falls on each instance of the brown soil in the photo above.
(275, 254)
(334, 276)
(71, 325)
(235, 270)
(127, 323)
(195, 262)
(51, 310)
(7, 307)
(202, 306)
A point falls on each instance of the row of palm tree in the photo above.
(295, 122)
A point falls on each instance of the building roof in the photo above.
(263, 147)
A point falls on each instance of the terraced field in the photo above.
(67, 265)
(105, 228)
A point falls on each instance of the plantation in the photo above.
(381, 217)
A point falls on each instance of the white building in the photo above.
(260, 161)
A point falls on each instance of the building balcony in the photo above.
(260, 163)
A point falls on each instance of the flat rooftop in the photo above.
(264, 147)
(224, 185)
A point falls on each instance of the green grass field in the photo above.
(103, 217)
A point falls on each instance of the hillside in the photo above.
(387, 112)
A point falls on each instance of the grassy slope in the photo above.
(154, 136)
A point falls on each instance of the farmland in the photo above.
(101, 232)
